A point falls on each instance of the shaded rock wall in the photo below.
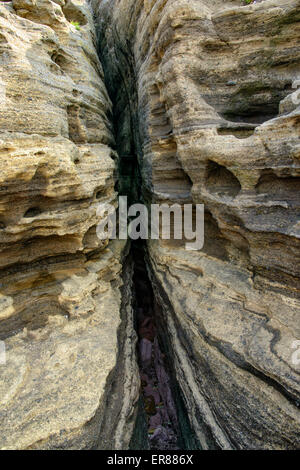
(61, 316)
(210, 85)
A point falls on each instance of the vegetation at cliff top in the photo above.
(76, 24)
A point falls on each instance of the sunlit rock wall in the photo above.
(216, 120)
(60, 287)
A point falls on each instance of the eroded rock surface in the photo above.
(205, 111)
(205, 101)
(65, 328)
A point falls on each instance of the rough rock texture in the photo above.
(60, 288)
(203, 101)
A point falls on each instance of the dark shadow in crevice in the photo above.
(159, 405)
(32, 212)
(254, 102)
(280, 187)
(221, 181)
(248, 118)
(166, 417)
(242, 132)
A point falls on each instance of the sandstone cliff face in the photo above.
(66, 332)
(204, 103)
(204, 111)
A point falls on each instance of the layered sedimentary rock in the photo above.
(205, 110)
(68, 335)
(205, 102)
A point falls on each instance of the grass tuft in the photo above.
(76, 24)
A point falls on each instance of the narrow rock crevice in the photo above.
(162, 413)
(161, 422)
(159, 405)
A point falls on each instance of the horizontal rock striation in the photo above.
(64, 324)
(206, 92)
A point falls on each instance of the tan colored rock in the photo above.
(211, 93)
(61, 314)
(205, 102)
